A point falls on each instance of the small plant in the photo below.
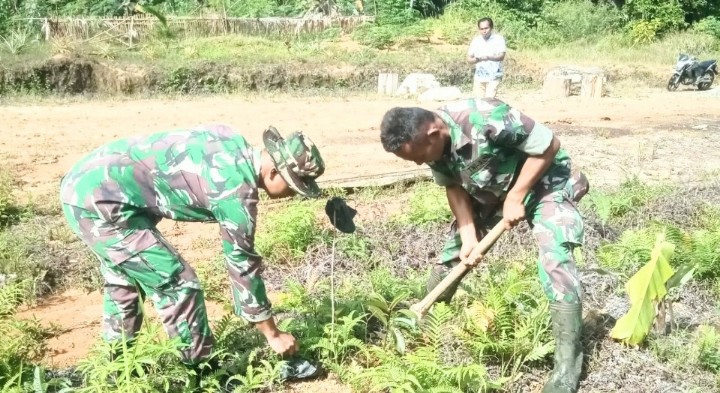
(424, 366)
(256, 378)
(63, 45)
(378, 37)
(19, 257)
(24, 342)
(632, 249)
(148, 363)
(17, 41)
(355, 247)
(105, 51)
(708, 345)
(646, 288)
(395, 322)
(502, 330)
(339, 340)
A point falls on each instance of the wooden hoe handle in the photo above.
(478, 253)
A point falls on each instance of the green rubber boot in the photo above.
(436, 276)
(567, 329)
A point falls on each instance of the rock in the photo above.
(448, 93)
(417, 83)
(6, 279)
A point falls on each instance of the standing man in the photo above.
(487, 52)
(492, 159)
(114, 197)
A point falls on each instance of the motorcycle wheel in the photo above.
(673, 83)
(705, 84)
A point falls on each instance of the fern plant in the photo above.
(339, 341)
(630, 196)
(422, 368)
(634, 247)
(255, 377)
(511, 324)
(150, 364)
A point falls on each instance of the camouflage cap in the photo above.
(297, 159)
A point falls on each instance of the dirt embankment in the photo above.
(77, 74)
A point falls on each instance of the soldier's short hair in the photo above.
(400, 125)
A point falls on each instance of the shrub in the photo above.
(24, 341)
(576, 20)
(9, 211)
(709, 25)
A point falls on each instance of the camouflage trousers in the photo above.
(558, 228)
(154, 269)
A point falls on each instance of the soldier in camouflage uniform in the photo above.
(114, 197)
(492, 158)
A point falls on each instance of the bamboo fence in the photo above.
(136, 27)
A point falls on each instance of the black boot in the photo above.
(567, 329)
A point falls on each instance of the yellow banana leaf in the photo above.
(645, 288)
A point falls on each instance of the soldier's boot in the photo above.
(199, 370)
(567, 330)
(437, 274)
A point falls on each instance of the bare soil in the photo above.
(651, 133)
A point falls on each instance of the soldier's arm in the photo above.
(461, 207)
(237, 231)
(510, 128)
(532, 170)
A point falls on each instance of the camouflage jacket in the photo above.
(206, 174)
(489, 142)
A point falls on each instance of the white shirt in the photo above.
(488, 70)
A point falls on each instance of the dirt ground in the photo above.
(650, 133)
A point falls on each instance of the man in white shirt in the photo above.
(487, 52)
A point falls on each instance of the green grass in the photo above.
(612, 51)
(24, 341)
(690, 349)
(624, 200)
(10, 210)
(427, 205)
(286, 233)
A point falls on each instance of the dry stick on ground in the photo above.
(332, 277)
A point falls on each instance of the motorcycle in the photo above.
(686, 69)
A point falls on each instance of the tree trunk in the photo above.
(556, 85)
(592, 86)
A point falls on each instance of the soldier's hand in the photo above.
(466, 249)
(513, 212)
(284, 343)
